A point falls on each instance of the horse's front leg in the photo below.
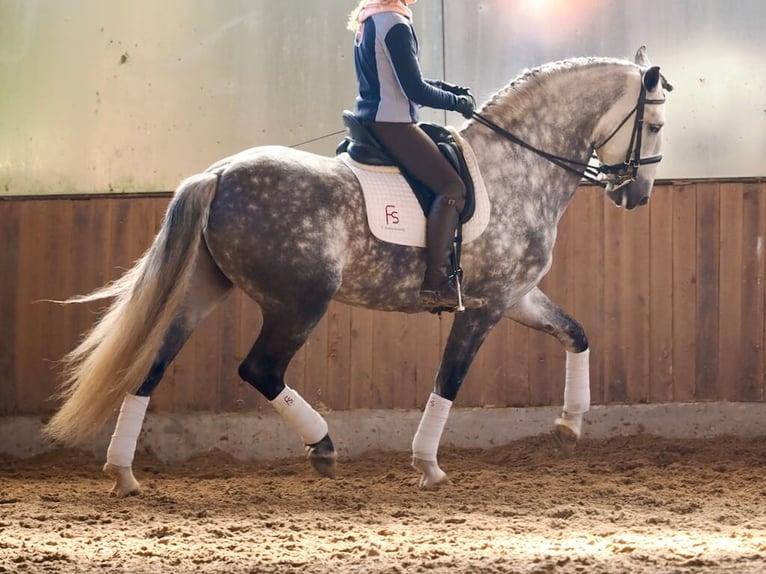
(466, 336)
(538, 312)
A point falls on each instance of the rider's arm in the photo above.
(402, 48)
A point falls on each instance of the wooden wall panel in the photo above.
(731, 282)
(230, 385)
(338, 385)
(491, 366)
(684, 292)
(612, 351)
(406, 388)
(517, 367)
(753, 205)
(661, 295)
(672, 298)
(708, 238)
(39, 326)
(386, 358)
(9, 286)
(360, 362)
(636, 281)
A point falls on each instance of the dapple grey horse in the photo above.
(289, 229)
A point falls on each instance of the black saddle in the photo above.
(364, 148)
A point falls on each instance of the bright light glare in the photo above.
(560, 16)
(539, 8)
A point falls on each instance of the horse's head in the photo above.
(629, 137)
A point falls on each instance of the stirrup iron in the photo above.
(457, 273)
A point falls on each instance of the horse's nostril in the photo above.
(644, 201)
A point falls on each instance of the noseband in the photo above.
(628, 169)
(620, 173)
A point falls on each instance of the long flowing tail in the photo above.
(116, 355)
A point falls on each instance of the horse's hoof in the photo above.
(323, 457)
(125, 484)
(432, 477)
(564, 437)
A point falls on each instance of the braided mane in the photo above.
(517, 92)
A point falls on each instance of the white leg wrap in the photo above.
(122, 447)
(577, 383)
(300, 415)
(429, 433)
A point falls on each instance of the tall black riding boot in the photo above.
(438, 291)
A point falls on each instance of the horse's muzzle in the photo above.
(617, 193)
(626, 195)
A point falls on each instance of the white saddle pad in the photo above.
(394, 213)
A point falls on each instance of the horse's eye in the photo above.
(655, 128)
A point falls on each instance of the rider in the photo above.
(390, 87)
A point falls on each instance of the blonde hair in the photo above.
(353, 18)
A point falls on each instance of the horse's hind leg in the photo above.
(208, 286)
(538, 312)
(284, 331)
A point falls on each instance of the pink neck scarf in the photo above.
(375, 7)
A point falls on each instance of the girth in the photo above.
(363, 147)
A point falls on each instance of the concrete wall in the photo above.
(125, 96)
(174, 437)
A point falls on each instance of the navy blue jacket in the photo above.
(391, 85)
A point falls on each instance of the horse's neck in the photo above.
(558, 117)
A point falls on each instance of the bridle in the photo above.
(618, 173)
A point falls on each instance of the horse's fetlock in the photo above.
(579, 340)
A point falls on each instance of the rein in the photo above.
(316, 139)
(622, 171)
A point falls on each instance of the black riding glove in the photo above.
(465, 106)
(452, 88)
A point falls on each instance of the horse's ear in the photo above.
(652, 78)
(641, 58)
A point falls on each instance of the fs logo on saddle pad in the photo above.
(394, 213)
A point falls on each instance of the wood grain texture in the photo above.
(671, 297)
